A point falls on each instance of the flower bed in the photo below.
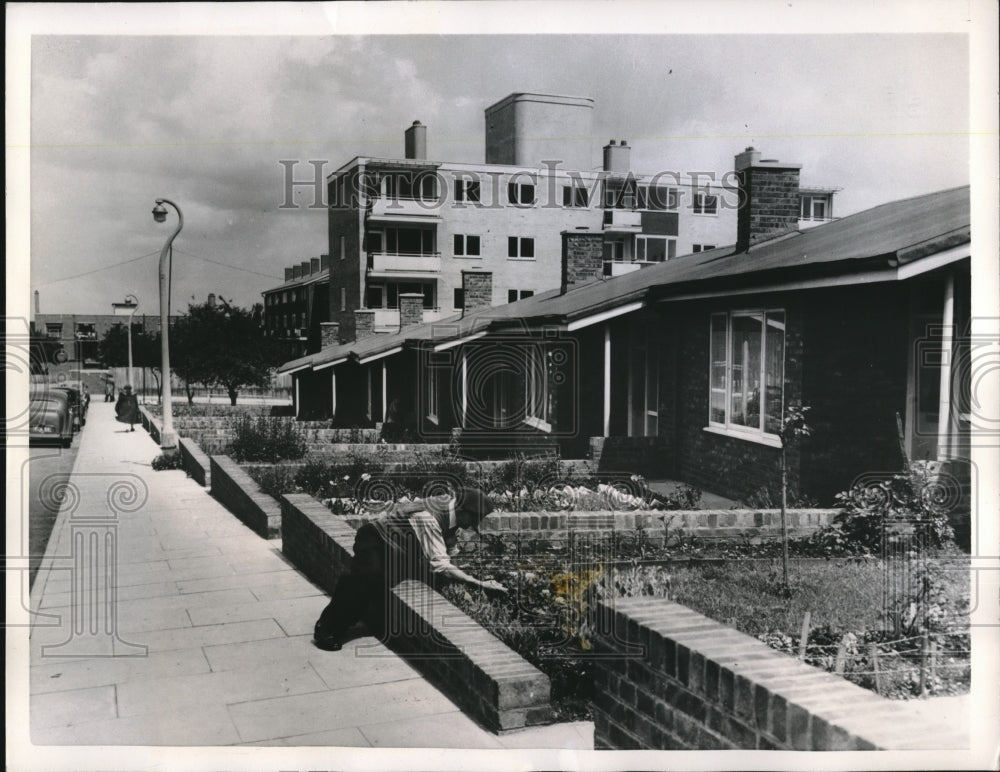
(553, 588)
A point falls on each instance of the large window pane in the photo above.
(774, 347)
(744, 405)
(717, 407)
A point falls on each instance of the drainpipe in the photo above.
(947, 355)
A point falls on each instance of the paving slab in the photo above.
(219, 624)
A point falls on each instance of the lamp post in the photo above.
(168, 438)
(129, 306)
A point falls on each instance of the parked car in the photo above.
(50, 419)
(76, 402)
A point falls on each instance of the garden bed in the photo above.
(547, 615)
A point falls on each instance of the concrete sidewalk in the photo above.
(168, 622)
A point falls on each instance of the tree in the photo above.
(224, 345)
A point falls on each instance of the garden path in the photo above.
(208, 638)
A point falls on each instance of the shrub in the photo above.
(274, 480)
(266, 439)
(168, 461)
(906, 509)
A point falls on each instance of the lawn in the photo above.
(546, 615)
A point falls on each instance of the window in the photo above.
(814, 208)
(433, 391)
(394, 289)
(614, 251)
(467, 191)
(374, 241)
(702, 247)
(343, 298)
(459, 301)
(375, 297)
(407, 186)
(620, 194)
(520, 193)
(343, 247)
(657, 198)
(705, 203)
(466, 246)
(538, 406)
(520, 248)
(408, 241)
(53, 330)
(654, 249)
(575, 195)
(515, 295)
(747, 371)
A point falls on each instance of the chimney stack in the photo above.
(364, 323)
(289, 274)
(313, 265)
(304, 268)
(324, 262)
(37, 311)
(329, 334)
(415, 141)
(297, 271)
(411, 309)
(768, 199)
(582, 257)
(616, 157)
(211, 300)
(477, 290)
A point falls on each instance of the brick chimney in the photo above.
(617, 157)
(364, 323)
(304, 268)
(211, 299)
(769, 198)
(411, 309)
(324, 262)
(477, 290)
(296, 271)
(289, 274)
(329, 334)
(415, 141)
(582, 257)
(313, 265)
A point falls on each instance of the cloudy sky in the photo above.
(118, 120)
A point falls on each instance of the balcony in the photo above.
(620, 268)
(387, 319)
(622, 221)
(405, 210)
(402, 265)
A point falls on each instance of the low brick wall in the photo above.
(235, 489)
(668, 678)
(480, 673)
(717, 525)
(196, 461)
(150, 423)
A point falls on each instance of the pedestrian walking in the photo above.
(109, 391)
(127, 408)
(413, 541)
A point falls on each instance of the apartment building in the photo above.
(413, 225)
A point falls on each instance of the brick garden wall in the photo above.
(235, 490)
(668, 678)
(480, 673)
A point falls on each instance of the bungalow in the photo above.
(684, 369)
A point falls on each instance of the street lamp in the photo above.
(168, 438)
(129, 306)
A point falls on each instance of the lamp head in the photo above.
(159, 213)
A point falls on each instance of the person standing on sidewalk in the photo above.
(127, 408)
(414, 541)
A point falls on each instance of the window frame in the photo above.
(520, 242)
(458, 298)
(669, 250)
(461, 243)
(536, 387)
(727, 427)
(575, 196)
(467, 191)
(516, 191)
(699, 204)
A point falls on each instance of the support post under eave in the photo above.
(607, 379)
(385, 404)
(298, 401)
(333, 392)
(947, 355)
(465, 388)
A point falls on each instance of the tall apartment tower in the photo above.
(532, 129)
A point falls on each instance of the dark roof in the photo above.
(885, 236)
(323, 273)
